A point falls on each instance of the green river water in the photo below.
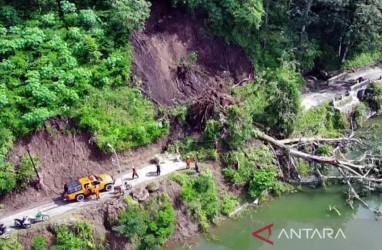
(302, 221)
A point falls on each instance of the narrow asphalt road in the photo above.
(146, 174)
(314, 99)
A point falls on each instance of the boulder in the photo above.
(140, 194)
(152, 187)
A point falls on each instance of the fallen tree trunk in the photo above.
(348, 171)
(317, 139)
(309, 157)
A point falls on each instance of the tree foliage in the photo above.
(202, 198)
(149, 225)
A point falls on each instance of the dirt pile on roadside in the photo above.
(176, 58)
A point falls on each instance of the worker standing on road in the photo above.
(89, 190)
(96, 191)
(135, 173)
(188, 162)
(158, 169)
(196, 167)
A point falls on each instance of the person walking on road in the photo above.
(188, 162)
(135, 173)
(158, 169)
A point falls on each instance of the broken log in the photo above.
(309, 157)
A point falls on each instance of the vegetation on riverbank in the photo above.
(147, 225)
(204, 202)
(80, 235)
(377, 89)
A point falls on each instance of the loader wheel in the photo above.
(109, 187)
(80, 197)
(128, 186)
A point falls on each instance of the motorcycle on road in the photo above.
(3, 229)
(23, 223)
(39, 217)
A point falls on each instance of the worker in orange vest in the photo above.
(188, 162)
(96, 190)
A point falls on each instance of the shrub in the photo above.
(9, 16)
(249, 161)
(201, 197)
(377, 88)
(25, 172)
(324, 150)
(228, 203)
(323, 120)
(10, 244)
(362, 59)
(262, 180)
(48, 20)
(280, 187)
(303, 168)
(193, 56)
(121, 117)
(88, 18)
(39, 243)
(149, 225)
(77, 236)
(180, 113)
(7, 178)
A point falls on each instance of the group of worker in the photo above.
(158, 168)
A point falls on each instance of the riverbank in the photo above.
(308, 208)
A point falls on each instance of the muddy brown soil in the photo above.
(161, 56)
(65, 155)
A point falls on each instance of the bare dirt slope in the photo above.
(65, 155)
(172, 34)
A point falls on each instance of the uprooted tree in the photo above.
(364, 172)
(361, 175)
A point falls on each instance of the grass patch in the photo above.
(362, 59)
(323, 120)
